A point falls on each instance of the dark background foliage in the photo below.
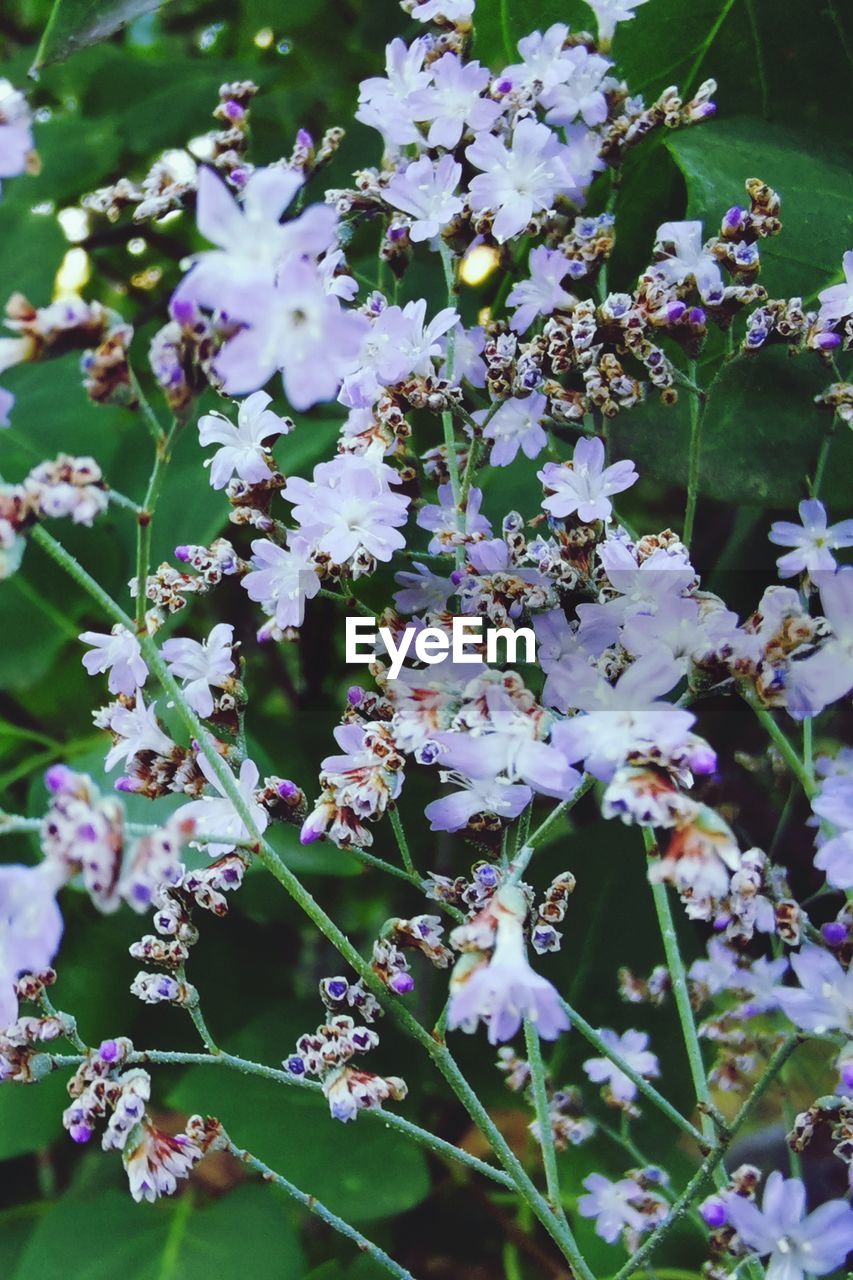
(783, 69)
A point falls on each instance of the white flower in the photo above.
(543, 293)
(517, 181)
(202, 665)
(687, 258)
(584, 486)
(451, 10)
(608, 13)
(242, 446)
(582, 92)
(426, 191)
(544, 59)
(216, 815)
(517, 424)
(798, 1244)
(137, 730)
(813, 540)
(610, 1203)
(120, 654)
(632, 1046)
(454, 100)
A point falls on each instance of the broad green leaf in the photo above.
(31, 1115)
(360, 1170)
(73, 24)
(760, 438)
(247, 1232)
(815, 185)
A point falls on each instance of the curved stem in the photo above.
(543, 1113)
(697, 409)
(782, 744)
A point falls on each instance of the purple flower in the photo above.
(136, 729)
(582, 92)
(349, 507)
(16, 139)
(834, 802)
(202, 665)
(798, 1244)
(242, 450)
(459, 11)
(610, 1203)
(453, 101)
(517, 424)
(423, 590)
(120, 654)
(632, 1046)
(827, 675)
(584, 485)
(836, 303)
(30, 929)
(385, 102)
(813, 541)
(824, 999)
(687, 259)
(506, 989)
(427, 192)
(543, 293)
(624, 717)
(644, 588)
(7, 401)
(477, 795)
(517, 181)
(544, 59)
(215, 815)
(443, 521)
(282, 579)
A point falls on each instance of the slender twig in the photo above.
(402, 842)
(785, 748)
(543, 1114)
(522, 857)
(697, 409)
(315, 1206)
(145, 515)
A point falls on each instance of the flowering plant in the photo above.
(419, 396)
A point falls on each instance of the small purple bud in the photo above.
(674, 311)
(108, 1051)
(183, 554)
(287, 789)
(397, 233)
(81, 1132)
(402, 983)
(428, 753)
(827, 341)
(355, 695)
(847, 1075)
(239, 177)
(233, 110)
(295, 1065)
(86, 831)
(337, 988)
(309, 834)
(733, 219)
(59, 778)
(183, 311)
(504, 86)
(487, 875)
(304, 139)
(696, 317)
(456, 577)
(129, 784)
(714, 1211)
(834, 933)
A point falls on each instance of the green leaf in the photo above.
(360, 1170)
(73, 24)
(247, 1232)
(31, 1116)
(814, 183)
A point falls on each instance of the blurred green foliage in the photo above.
(783, 69)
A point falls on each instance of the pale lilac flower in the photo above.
(520, 180)
(799, 1244)
(7, 401)
(718, 972)
(154, 1161)
(624, 717)
(824, 999)
(30, 928)
(688, 259)
(827, 675)
(443, 521)
(812, 539)
(690, 632)
(610, 1203)
(242, 449)
(509, 753)
(760, 981)
(584, 486)
(16, 138)
(120, 654)
(543, 293)
(423, 590)
(453, 101)
(295, 326)
(582, 158)
(633, 1047)
(836, 302)
(385, 102)
(427, 192)
(282, 579)
(644, 588)
(468, 363)
(610, 12)
(202, 665)
(543, 60)
(581, 93)
(453, 812)
(506, 990)
(251, 241)
(398, 343)
(349, 507)
(215, 814)
(452, 10)
(517, 424)
(834, 802)
(136, 730)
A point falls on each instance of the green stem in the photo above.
(267, 856)
(681, 992)
(402, 842)
(543, 1113)
(823, 456)
(782, 744)
(162, 454)
(697, 408)
(447, 416)
(315, 1206)
(525, 853)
